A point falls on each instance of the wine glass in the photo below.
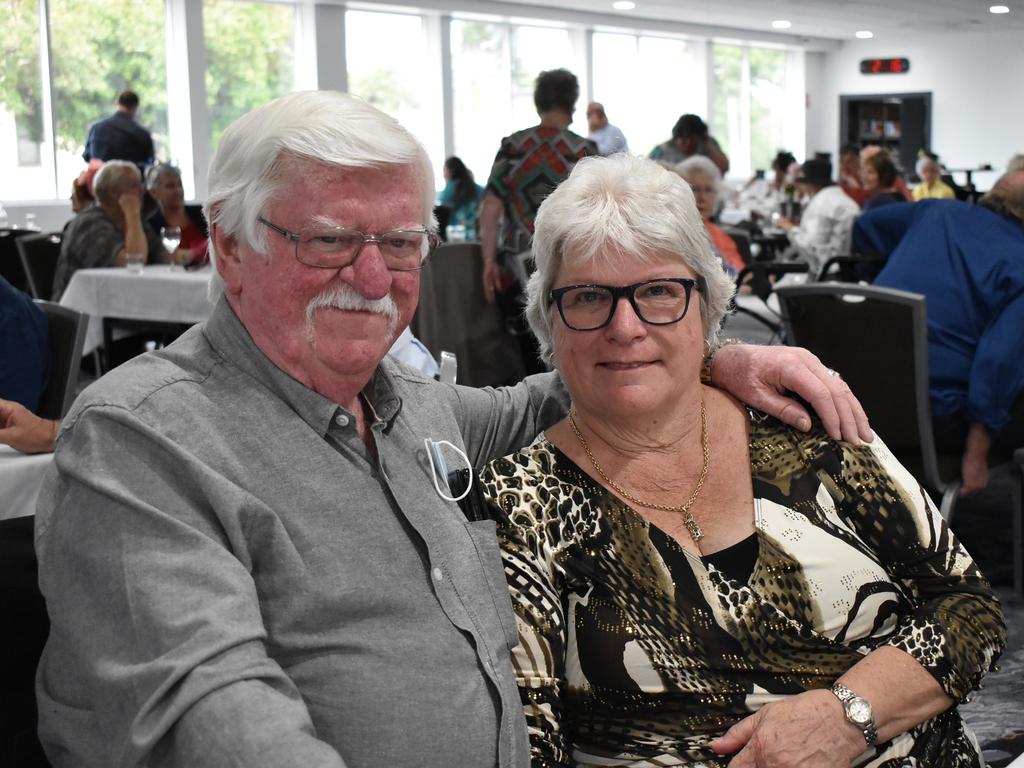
(171, 237)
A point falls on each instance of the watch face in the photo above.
(859, 711)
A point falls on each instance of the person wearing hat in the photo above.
(826, 226)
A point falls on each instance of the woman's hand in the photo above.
(760, 375)
(24, 431)
(808, 730)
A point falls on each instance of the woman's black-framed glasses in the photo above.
(403, 250)
(662, 301)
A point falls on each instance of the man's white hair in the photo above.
(325, 127)
(628, 208)
(111, 179)
(1016, 163)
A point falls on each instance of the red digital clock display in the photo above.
(884, 66)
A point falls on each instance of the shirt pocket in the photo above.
(485, 540)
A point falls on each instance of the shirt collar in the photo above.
(232, 341)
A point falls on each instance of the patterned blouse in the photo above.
(634, 652)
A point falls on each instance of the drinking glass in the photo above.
(134, 262)
(171, 237)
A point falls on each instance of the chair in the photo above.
(851, 269)
(67, 338)
(453, 315)
(39, 254)
(877, 338)
(10, 265)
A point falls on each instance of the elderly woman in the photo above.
(163, 182)
(931, 186)
(692, 578)
(705, 181)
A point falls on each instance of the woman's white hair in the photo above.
(112, 178)
(627, 208)
(1016, 163)
(922, 161)
(321, 126)
(696, 165)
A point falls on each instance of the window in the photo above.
(729, 122)
(767, 105)
(250, 58)
(390, 66)
(621, 62)
(93, 60)
(494, 66)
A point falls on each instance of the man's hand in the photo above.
(760, 375)
(24, 431)
(785, 223)
(492, 280)
(808, 730)
(131, 205)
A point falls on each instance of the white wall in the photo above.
(976, 82)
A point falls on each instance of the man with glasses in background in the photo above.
(244, 558)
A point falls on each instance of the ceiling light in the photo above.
(998, 9)
(623, 5)
(782, 24)
(864, 34)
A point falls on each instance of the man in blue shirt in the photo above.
(968, 260)
(24, 354)
(119, 137)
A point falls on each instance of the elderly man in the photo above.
(103, 234)
(968, 260)
(247, 556)
(608, 138)
(690, 137)
(119, 137)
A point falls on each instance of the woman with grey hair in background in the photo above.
(692, 578)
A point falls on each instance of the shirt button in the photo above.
(341, 420)
(438, 574)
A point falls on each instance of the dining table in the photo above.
(159, 293)
(21, 476)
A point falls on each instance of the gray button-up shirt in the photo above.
(233, 580)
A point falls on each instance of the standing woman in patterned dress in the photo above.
(696, 584)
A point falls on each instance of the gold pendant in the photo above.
(695, 532)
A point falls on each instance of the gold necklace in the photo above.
(691, 525)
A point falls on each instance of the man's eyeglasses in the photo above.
(657, 302)
(403, 250)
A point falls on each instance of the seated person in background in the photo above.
(692, 578)
(827, 221)
(102, 234)
(24, 349)
(931, 186)
(243, 555)
(609, 138)
(762, 196)
(968, 260)
(880, 177)
(849, 174)
(462, 194)
(81, 188)
(705, 180)
(163, 182)
(690, 137)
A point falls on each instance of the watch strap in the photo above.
(869, 729)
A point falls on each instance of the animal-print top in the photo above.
(634, 652)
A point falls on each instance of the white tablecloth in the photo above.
(21, 475)
(157, 294)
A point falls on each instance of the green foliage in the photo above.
(727, 70)
(381, 88)
(21, 90)
(249, 58)
(99, 50)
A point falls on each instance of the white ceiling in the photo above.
(890, 20)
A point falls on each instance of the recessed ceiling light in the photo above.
(623, 5)
(864, 34)
(782, 24)
(998, 9)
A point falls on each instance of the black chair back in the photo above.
(10, 264)
(453, 316)
(877, 339)
(67, 338)
(39, 254)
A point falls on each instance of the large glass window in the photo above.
(767, 105)
(622, 61)
(728, 106)
(250, 58)
(390, 66)
(23, 175)
(99, 50)
(494, 67)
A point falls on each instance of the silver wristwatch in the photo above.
(858, 711)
